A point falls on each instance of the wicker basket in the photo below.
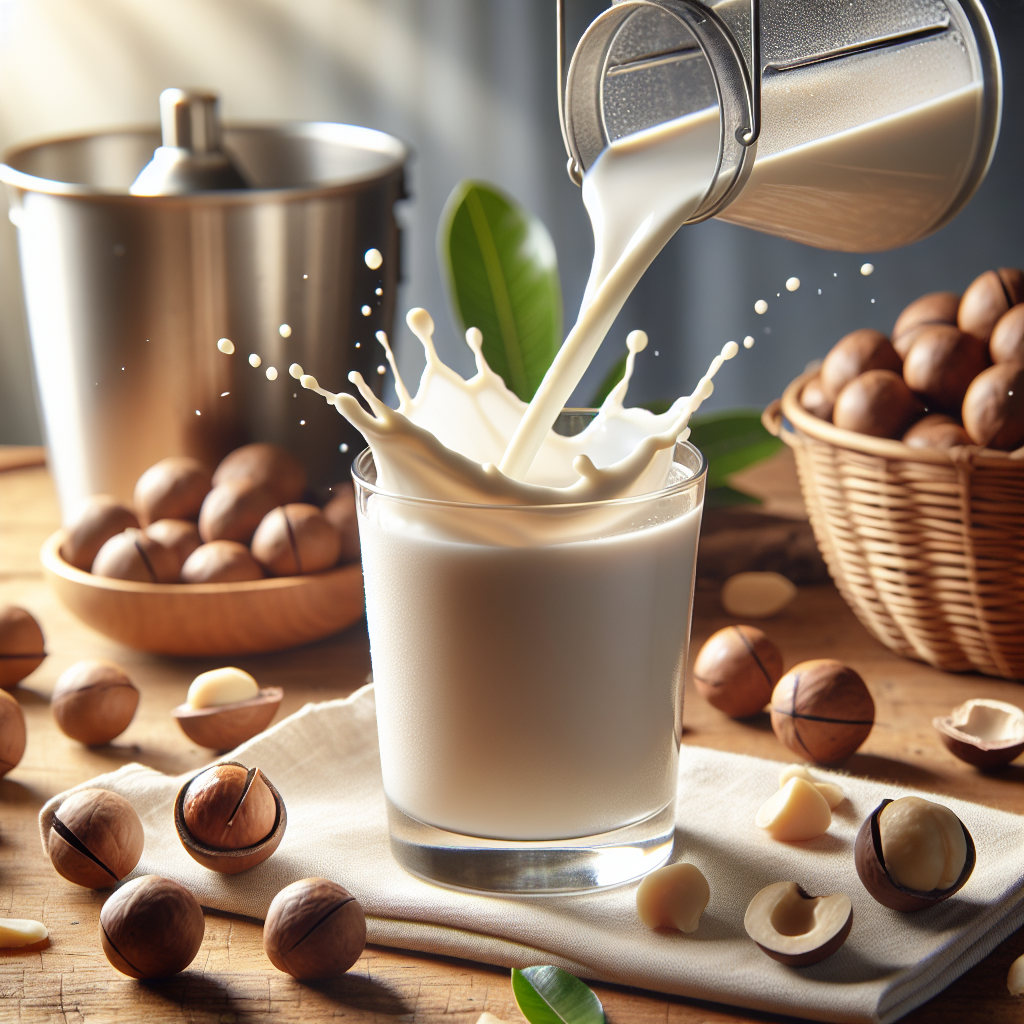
(925, 545)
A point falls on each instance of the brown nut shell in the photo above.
(22, 648)
(822, 710)
(941, 363)
(987, 298)
(93, 702)
(867, 856)
(268, 465)
(993, 408)
(878, 403)
(230, 862)
(132, 555)
(975, 748)
(93, 523)
(340, 512)
(296, 539)
(173, 488)
(1007, 342)
(815, 401)
(180, 536)
(225, 726)
(221, 561)
(151, 927)
(95, 838)
(314, 929)
(233, 510)
(736, 670)
(12, 732)
(936, 430)
(854, 354)
(933, 308)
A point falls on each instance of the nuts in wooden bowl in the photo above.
(22, 648)
(314, 929)
(914, 855)
(178, 535)
(736, 670)
(134, 555)
(94, 702)
(95, 838)
(93, 523)
(822, 710)
(296, 539)
(230, 818)
(151, 927)
(12, 732)
(233, 510)
(267, 465)
(983, 732)
(221, 561)
(173, 488)
(226, 707)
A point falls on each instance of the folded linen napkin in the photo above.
(324, 761)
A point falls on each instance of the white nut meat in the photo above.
(923, 844)
(221, 686)
(16, 933)
(673, 897)
(756, 595)
(796, 812)
(832, 793)
(1015, 977)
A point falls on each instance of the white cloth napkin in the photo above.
(324, 761)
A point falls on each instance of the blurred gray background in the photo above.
(470, 84)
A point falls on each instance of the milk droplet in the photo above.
(302, 423)
(342, 447)
(224, 394)
(227, 346)
(271, 373)
(359, 344)
(729, 350)
(760, 306)
(748, 342)
(285, 331)
(382, 369)
(198, 413)
(254, 360)
(792, 283)
(372, 258)
(366, 311)
(867, 269)
(295, 370)
(378, 291)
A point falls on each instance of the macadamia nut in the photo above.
(756, 595)
(832, 793)
(673, 896)
(922, 843)
(797, 811)
(221, 686)
(1015, 977)
(17, 933)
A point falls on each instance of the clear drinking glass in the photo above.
(529, 665)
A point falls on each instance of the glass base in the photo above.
(532, 868)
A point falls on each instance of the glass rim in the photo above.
(698, 477)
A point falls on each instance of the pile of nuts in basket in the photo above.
(952, 373)
(244, 521)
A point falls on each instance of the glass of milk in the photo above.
(529, 664)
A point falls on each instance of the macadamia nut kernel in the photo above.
(17, 933)
(756, 595)
(221, 686)
(673, 896)
(832, 793)
(796, 812)
(923, 844)
(1015, 977)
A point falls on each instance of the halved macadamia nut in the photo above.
(796, 812)
(832, 793)
(673, 896)
(983, 732)
(797, 929)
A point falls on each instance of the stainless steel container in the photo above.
(854, 125)
(128, 296)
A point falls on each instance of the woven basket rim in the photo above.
(821, 430)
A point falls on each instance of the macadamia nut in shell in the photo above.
(736, 670)
(94, 702)
(12, 732)
(174, 488)
(93, 522)
(22, 649)
(95, 838)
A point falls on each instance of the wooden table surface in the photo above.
(231, 979)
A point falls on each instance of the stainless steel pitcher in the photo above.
(852, 125)
(129, 294)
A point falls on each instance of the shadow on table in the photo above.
(359, 993)
(888, 769)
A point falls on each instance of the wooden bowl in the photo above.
(225, 726)
(230, 862)
(203, 619)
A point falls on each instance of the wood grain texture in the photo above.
(232, 980)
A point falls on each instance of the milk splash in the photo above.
(474, 440)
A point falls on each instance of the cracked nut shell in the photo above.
(870, 863)
(21, 645)
(134, 555)
(95, 838)
(315, 928)
(12, 732)
(94, 702)
(295, 539)
(987, 298)
(151, 927)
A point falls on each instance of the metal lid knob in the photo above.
(190, 158)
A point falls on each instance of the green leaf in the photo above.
(502, 276)
(731, 441)
(549, 995)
